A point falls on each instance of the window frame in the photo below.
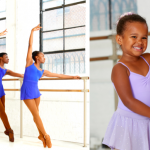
(4, 18)
(63, 51)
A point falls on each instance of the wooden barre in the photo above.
(50, 90)
(99, 58)
(47, 79)
(62, 79)
(10, 79)
(103, 58)
(98, 38)
(103, 37)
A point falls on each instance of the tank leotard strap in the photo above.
(129, 69)
(145, 60)
(124, 65)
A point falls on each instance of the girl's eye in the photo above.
(144, 38)
(134, 36)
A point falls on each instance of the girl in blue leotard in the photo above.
(4, 60)
(29, 90)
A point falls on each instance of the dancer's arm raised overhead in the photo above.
(14, 74)
(3, 33)
(50, 74)
(29, 59)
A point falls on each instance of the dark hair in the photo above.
(2, 54)
(35, 53)
(121, 26)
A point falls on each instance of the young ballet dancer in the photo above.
(4, 60)
(29, 90)
(129, 128)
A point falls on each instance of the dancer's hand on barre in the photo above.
(14, 74)
(50, 74)
(38, 27)
(3, 33)
(77, 77)
(22, 76)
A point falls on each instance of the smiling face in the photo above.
(5, 59)
(40, 57)
(133, 42)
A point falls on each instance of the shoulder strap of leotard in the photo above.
(124, 65)
(144, 60)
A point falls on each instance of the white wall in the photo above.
(62, 113)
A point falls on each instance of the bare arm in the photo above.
(121, 81)
(14, 74)
(3, 33)
(29, 60)
(49, 74)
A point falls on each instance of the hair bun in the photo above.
(125, 14)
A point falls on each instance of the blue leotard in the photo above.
(2, 73)
(29, 89)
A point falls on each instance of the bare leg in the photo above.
(3, 115)
(3, 102)
(37, 102)
(41, 136)
(35, 113)
(5, 119)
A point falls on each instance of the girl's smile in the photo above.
(140, 49)
(134, 40)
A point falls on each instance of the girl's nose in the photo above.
(139, 41)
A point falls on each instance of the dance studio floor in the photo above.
(29, 143)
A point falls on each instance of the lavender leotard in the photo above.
(128, 130)
(140, 86)
(2, 73)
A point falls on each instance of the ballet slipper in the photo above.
(11, 135)
(41, 137)
(6, 132)
(48, 141)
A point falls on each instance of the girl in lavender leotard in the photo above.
(129, 128)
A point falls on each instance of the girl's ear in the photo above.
(36, 57)
(119, 39)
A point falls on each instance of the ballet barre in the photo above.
(84, 90)
(103, 37)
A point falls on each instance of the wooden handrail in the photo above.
(10, 79)
(98, 38)
(103, 37)
(99, 58)
(48, 79)
(103, 58)
(51, 90)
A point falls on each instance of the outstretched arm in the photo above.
(49, 74)
(11, 73)
(29, 60)
(3, 33)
